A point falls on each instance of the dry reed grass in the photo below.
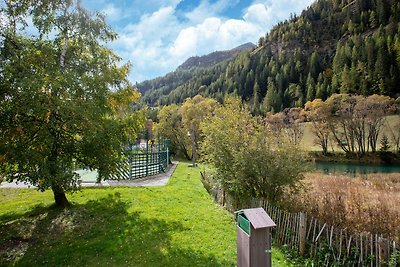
(363, 204)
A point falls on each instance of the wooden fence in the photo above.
(319, 241)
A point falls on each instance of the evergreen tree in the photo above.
(310, 85)
(380, 70)
(269, 101)
(314, 65)
(321, 91)
(385, 146)
(256, 104)
(397, 48)
(382, 7)
(347, 83)
(372, 19)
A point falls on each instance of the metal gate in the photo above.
(142, 160)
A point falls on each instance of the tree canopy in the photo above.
(64, 97)
(181, 124)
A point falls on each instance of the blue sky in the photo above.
(157, 36)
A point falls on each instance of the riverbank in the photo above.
(376, 158)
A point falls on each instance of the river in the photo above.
(353, 169)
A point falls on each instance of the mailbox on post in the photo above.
(253, 238)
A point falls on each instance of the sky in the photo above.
(157, 36)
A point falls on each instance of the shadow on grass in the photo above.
(101, 233)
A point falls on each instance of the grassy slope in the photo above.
(175, 225)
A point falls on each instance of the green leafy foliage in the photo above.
(250, 161)
(181, 124)
(63, 99)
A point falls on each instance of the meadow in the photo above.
(175, 225)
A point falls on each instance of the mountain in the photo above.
(194, 66)
(334, 46)
(214, 58)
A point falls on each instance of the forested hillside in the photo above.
(214, 58)
(335, 46)
(192, 67)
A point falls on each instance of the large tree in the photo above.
(317, 111)
(181, 124)
(64, 98)
(194, 111)
(171, 126)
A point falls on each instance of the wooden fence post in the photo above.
(302, 233)
(383, 251)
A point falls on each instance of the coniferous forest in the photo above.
(334, 46)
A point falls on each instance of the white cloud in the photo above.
(279, 10)
(144, 43)
(213, 34)
(159, 41)
(156, 51)
(257, 13)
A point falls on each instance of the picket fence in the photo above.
(325, 244)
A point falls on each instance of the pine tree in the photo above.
(310, 85)
(397, 49)
(382, 11)
(380, 71)
(347, 83)
(385, 146)
(270, 98)
(372, 20)
(321, 91)
(314, 65)
(256, 104)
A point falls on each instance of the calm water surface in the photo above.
(353, 169)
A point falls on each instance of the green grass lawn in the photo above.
(175, 225)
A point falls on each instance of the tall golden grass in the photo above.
(363, 204)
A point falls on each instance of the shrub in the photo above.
(249, 160)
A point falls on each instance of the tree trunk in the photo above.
(60, 198)
(185, 152)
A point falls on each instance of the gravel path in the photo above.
(157, 180)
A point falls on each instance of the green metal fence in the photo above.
(143, 159)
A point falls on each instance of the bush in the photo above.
(250, 161)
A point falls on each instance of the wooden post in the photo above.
(383, 251)
(302, 233)
(147, 154)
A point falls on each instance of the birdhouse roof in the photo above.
(258, 218)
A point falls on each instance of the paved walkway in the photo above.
(157, 180)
